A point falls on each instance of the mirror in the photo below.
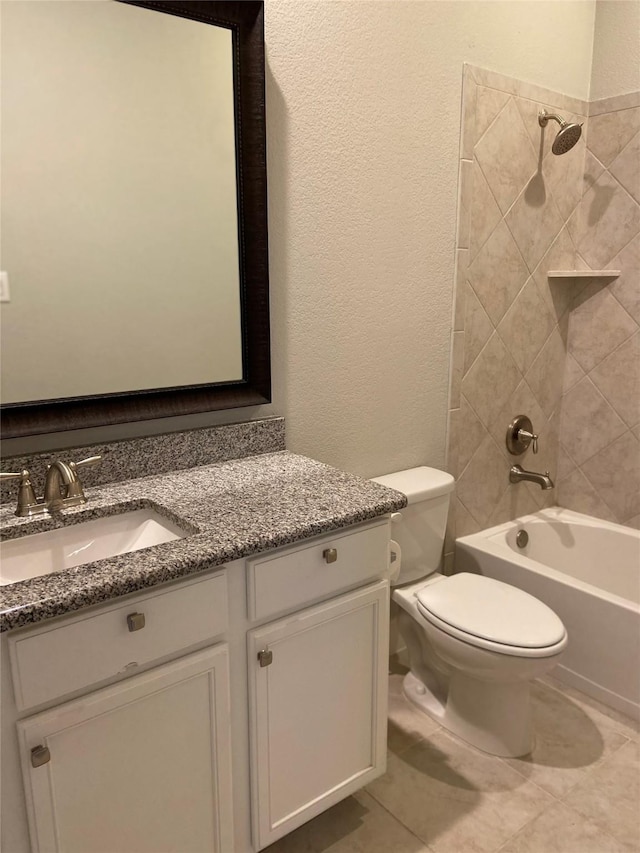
(134, 211)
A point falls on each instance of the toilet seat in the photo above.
(492, 615)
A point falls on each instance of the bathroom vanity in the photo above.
(210, 693)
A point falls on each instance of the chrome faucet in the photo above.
(517, 474)
(62, 488)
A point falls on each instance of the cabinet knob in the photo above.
(135, 621)
(330, 555)
(40, 755)
(265, 657)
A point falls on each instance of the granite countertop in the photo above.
(232, 509)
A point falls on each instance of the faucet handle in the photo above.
(75, 489)
(89, 462)
(27, 502)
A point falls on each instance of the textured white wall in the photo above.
(616, 49)
(363, 102)
(363, 118)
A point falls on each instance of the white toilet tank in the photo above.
(420, 531)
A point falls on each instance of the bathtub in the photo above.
(588, 571)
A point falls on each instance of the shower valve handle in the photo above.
(525, 435)
(520, 435)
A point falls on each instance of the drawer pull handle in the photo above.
(135, 621)
(40, 755)
(330, 555)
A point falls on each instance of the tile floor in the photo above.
(578, 792)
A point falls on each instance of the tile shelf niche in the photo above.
(583, 273)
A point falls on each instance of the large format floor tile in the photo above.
(356, 825)
(456, 798)
(610, 796)
(560, 829)
(569, 743)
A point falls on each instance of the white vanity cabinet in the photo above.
(142, 765)
(318, 709)
(213, 714)
(317, 678)
(139, 767)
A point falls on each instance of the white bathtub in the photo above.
(588, 571)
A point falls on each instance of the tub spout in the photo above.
(517, 473)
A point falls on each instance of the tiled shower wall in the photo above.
(563, 351)
(510, 322)
(599, 460)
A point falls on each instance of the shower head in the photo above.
(567, 136)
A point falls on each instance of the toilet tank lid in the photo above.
(418, 483)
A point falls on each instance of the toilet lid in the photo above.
(491, 610)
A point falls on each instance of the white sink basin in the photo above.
(43, 553)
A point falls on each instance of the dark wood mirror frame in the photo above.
(246, 21)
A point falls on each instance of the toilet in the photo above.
(474, 643)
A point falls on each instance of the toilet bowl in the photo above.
(474, 643)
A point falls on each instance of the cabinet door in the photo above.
(318, 682)
(143, 766)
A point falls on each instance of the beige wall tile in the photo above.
(506, 156)
(534, 222)
(565, 464)
(465, 197)
(618, 379)
(626, 167)
(530, 91)
(474, 433)
(557, 293)
(514, 503)
(498, 273)
(545, 375)
(453, 435)
(489, 103)
(478, 328)
(611, 218)
(576, 492)
(457, 361)
(593, 168)
(609, 133)
(491, 379)
(614, 474)
(485, 213)
(462, 264)
(597, 326)
(573, 373)
(526, 326)
(617, 102)
(465, 522)
(626, 288)
(589, 424)
(541, 138)
(483, 482)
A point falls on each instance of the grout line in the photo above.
(397, 820)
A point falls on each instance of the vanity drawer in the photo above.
(51, 662)
(300, 575)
